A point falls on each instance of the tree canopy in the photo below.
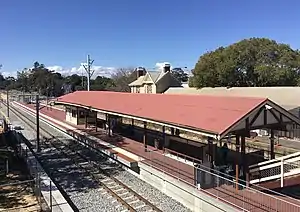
(250, 62)
(47, 82)
(180, 75)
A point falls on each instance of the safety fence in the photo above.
(220, 184)
(45, 190)
(279, 168)
(22, 195)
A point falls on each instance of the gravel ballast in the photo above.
(85, 193)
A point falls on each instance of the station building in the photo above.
(170, 122)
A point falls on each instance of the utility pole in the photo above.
(82, 80)
(7, 102)
(88, 70)
(37, 105)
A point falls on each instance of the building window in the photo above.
(74, 113)
(137, 89)
(149, 88)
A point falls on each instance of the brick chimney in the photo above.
(167, 67)
(140, 71)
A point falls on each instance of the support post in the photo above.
(77, 115)
(272, 142)
(47, 101)
(37, 106)
(7, 169)
(109, 125)
(132, 127)
(237, 171)
(85, 119)
(96, 123)
(172, 131)
(88, 70)
(282, 173)
(210, 151)
(50, 196)
(145, 136)
(244, 160)
(7, 102)
(164, 138)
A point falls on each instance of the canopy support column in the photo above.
(164, 138)
(272, 141)
(237, 170)
(145, 136)
(86, 119)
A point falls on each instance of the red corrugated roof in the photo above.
(207, 113)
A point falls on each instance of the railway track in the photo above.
(128, 199)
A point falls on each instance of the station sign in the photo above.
(101, 116)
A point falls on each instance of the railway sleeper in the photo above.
(113, 187)
(122, 194)
(140, 206)
(105, 180)
(127, 198)
(134, 201)
(118, 190)
(108, 183)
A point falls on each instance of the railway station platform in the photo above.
(175, 166)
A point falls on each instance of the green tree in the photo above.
(2, 82)
(250, 62)
(22, 81)
(180, 75)
(45, 81)
(101, 83)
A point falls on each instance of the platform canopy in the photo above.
(214, 116)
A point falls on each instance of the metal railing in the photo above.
(182, 157)
(278, 168)
(221, 186)
(44, 187)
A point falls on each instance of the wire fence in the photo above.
(44, 188)
(221, 185)
(21, 196)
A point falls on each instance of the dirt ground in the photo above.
(16, 187)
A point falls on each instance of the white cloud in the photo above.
(160, 65)
(9, 74)
(55, 68)
(99, 70)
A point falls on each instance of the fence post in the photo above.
(7, 166)
(50, 196)
(281, 173)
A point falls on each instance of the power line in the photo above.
(88, 70)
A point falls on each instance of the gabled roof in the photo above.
(150, 77)
(207, 114)
(156, 75)
(137, 82)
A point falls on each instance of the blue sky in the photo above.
(119, 33)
